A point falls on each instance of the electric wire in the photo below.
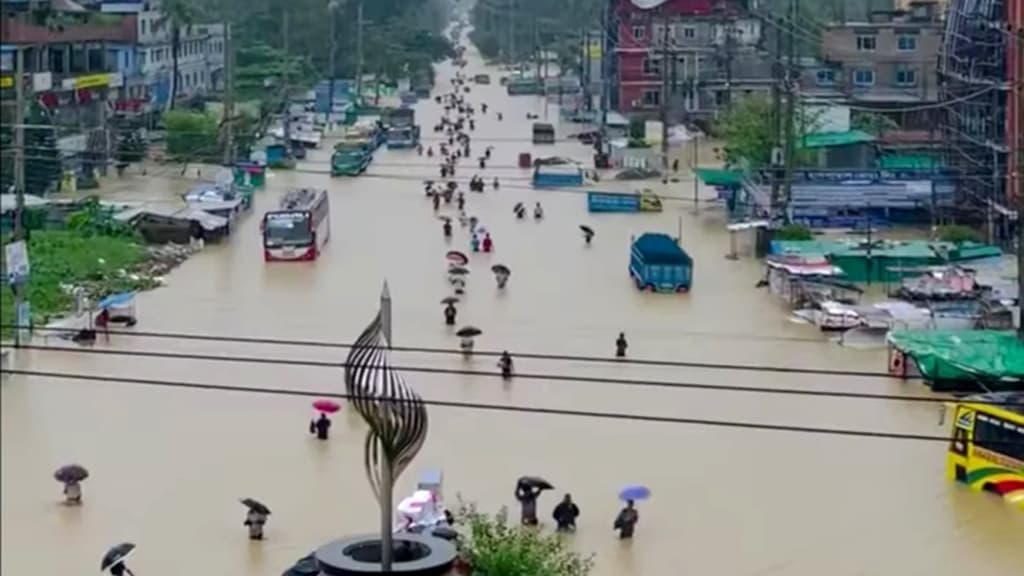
(515, 408)
(560, 377)
(492, 353)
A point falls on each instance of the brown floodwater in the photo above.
(168, 465)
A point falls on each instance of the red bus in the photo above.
(299, 228)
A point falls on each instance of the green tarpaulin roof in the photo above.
(900, 249)
(963, 355)
(829, 139)
(719, 177)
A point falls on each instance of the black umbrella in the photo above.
(458, 271)
(469, 332)
(518, 207)
(501, 269)
(587, 229)
(116, 555)
(255, 505)
(71, 473)
(449, 300)
(535, 482)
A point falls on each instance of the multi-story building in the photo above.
(695, 53)
(200, 59)
(981, 128)
(887, 62)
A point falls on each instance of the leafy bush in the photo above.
(191, 135)
(958, 233)
(792, 232)
(492, 546)
(95, 220)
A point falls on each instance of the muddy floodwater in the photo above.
(169, 465)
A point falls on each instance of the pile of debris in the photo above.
(163, 258)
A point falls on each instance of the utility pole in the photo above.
(790, 128)
(776, 154)
(229, 97)
(605, 72)
(359, 51)
(511, 32)
(1018, 37)
(730, 47)
(332, 13)
(663, 69)
(18, 285)
(287, 85)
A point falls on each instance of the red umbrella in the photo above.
(329, 406)
(457, 258)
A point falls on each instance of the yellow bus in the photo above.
(987, 447)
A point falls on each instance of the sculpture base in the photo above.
(413, 555)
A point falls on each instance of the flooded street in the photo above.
(169, 465)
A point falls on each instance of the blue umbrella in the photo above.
(635, 493)
(115, 300)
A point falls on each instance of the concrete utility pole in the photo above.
(359, 50)
(229, 97)
(332, 13)
(663, 69)
(19, 180)
(778, 72)
(605, 71)
(1019, 102)
(511, 31)
(285, 43)
(790, 128)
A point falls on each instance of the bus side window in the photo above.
(959, 444)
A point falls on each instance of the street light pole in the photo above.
(332, 13)
(19, 184)
(359, 50)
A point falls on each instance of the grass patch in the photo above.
(102, 265)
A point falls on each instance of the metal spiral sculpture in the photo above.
(396, 415)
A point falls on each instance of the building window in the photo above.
(639, 32)
(907, 43)
(866, 43)
(142, 26)
(142, 59)
(652, 66)
(906, 76)
(651, 98)
(689, 32)
(825, 77)
(864, 77)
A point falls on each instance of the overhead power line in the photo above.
(490, 353)
(519, 375)
(200, 386)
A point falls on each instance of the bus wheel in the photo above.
(649, 288)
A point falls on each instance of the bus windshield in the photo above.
(287, 229)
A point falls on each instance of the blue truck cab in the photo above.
(658, 264)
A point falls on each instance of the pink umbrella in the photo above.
(457, 258)
(329, 406)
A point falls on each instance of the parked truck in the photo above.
(402, 131)
(351, 157)
(658, 264)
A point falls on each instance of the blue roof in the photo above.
(658, 248)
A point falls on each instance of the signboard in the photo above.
(6, 81)
(93, 81)
(16, 260)
(856, 177)
(42, 81)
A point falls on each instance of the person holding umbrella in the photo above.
(501, 274)
(467, 333)
(565, 514)
(528, 489)
(449, 310)
(446, 228)
(72, 475)
(113, 560)
(322, 425)
(628, 517)
(588, 233)
(255, 518)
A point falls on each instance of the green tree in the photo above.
(494, 547)
(191, 135)
(746, 129)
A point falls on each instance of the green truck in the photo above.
(351, 157)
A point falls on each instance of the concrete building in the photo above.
(887, 62)
(200, 59)
(704, 50)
